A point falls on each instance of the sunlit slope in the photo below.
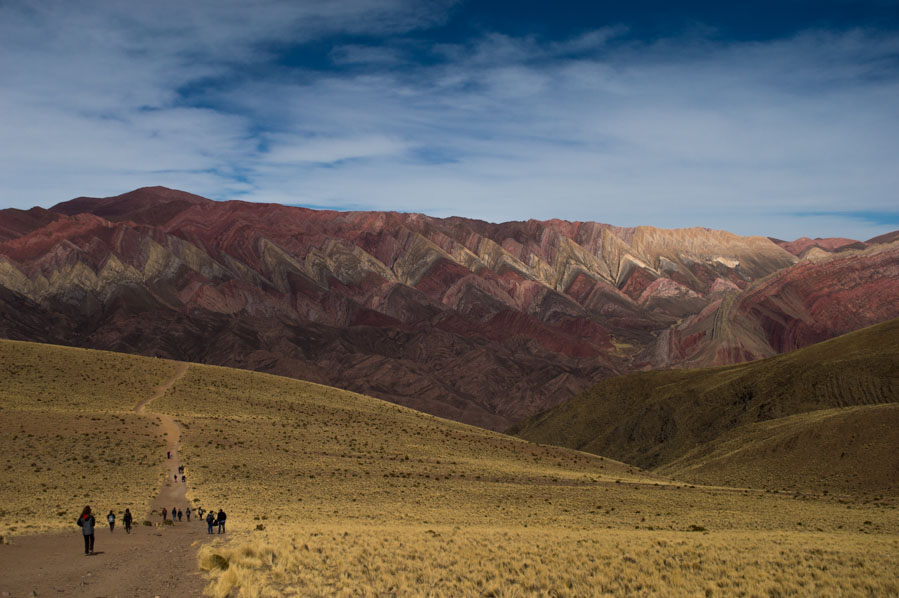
(652, 419)
(282, 449)
(847, 450)
(279, 453)
(69, 435)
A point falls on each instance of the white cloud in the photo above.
(291, 149)
(674, 133)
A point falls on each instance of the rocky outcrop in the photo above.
(485, 323)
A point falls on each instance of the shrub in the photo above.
(695, 528)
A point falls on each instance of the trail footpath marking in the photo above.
(151, 561)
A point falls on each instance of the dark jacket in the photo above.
(222, 516)
(86, 523)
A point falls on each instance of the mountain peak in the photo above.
(148, 205)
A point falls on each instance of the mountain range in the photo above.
(474, 321)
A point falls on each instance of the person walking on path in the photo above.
(221, 521)
(127, 519)
(86, 522)
(164, 513)
(210, 520)
(174, 514)
(111, 520)
(180, 514)
(187, 512)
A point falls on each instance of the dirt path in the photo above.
(151, 561)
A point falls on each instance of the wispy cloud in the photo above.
(754, 137)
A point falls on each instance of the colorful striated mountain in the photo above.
(479, 322)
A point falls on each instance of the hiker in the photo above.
(176, 477)
(188, 513)
(86, 522)
(221, 521)
(127, 519)
(111, 520)
(180, 514)
(168, 454)
(210, 520)
(184, 479)
(174, 514)
(164, 513)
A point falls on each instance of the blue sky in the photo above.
(774, 118)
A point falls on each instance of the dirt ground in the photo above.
(158, 560)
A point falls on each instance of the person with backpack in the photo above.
(111, 520)
(86, 522)
(221, 521)
(210, 521)
(127, 519)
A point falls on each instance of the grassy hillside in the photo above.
(332, 493)
(287, 450)
(652, 419)
(70, 435)
(851, 450)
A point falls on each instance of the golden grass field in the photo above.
(354, 496)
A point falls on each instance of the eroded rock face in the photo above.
(812, 301)
(484, 323)
(803, 245)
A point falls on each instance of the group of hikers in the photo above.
(212, 519)
(87, 522)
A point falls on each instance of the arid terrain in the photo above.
(333, 493)
(481, 323)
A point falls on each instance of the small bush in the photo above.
(216, 561)
(695, 528)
